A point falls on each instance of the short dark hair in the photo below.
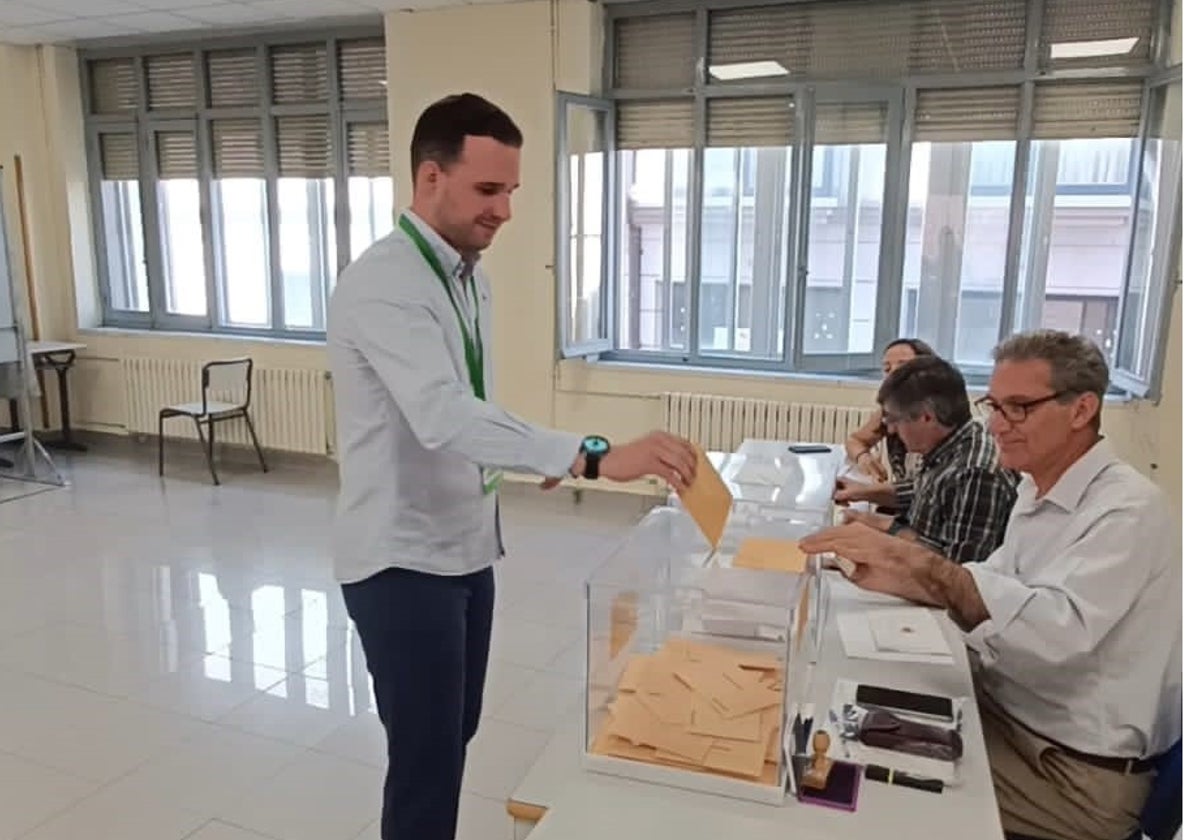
(919, 347)
(444, 125)
(928, 383)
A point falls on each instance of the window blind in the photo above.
(849, 39)
(118, 157)
(1075, 32)
(1067, 110)
(362, 70)
(238, 148)
(656, 125)
(850, 123)
(114, 86)
(750, 122)
(171, 81)
(768, 33)
(367, 149)
(299, 74)
(656, 51)
(967, 114)
(233, 78)
(176, 153)
(305, 147)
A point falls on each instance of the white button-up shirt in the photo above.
(412, 436)
(1085, 641)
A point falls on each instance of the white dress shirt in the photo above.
(412, 436)
(1084, 645)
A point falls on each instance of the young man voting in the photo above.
(421, 447)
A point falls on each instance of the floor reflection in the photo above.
(256, 633)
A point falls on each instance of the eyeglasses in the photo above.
(1013, 412)
(890, 419)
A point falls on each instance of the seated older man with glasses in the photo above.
(1075, 621)
(960, 500)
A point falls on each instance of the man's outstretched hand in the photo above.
(660, 454)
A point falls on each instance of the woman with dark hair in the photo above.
(860, 445)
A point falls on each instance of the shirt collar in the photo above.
(1068, 491)
(956, 440)
(452, 261)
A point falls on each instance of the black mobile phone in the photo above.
(905, 701)
(808, 449)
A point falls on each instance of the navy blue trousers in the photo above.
(426, 642)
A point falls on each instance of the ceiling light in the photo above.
(1093, 49)
(747, 70)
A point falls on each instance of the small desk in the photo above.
(58, 356)
(580, 805)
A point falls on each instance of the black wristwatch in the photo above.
(593, 448)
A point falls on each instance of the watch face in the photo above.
(595, 445)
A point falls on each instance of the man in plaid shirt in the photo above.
(959, 502)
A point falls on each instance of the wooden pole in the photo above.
(35, 327)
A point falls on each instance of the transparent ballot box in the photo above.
(695, 663)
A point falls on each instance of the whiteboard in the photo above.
(8, 324)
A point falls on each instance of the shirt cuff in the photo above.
(1004, 596)
(553, 452)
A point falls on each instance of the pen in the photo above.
(878, 773)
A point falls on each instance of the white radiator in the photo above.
(288, 406)
(720, 424)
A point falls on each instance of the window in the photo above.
(120, 204)
(1154, 258)
(233, 181)
(743, 246)
(371, 210)
(306, 227)
(959, 205)
(586, 222)
(241, 242)
(1078, 208)
(795, 184)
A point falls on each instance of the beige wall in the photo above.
(518, 54)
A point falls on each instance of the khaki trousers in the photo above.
(1045, 793)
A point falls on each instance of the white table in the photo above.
(810, 484)
(579, 805)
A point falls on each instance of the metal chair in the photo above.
(224, 395)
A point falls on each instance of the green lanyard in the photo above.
(472, 349)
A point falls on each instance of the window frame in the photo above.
(890, 285)
(144, 122)
(1166, 271)
(604, 343)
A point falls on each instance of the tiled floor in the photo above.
(176, 661)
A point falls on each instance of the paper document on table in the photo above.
(708, 499)
(859, 643)
(907, 630)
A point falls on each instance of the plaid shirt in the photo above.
(961, 498)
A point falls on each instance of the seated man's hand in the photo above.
(848, 490)
(872, 467)
(882, 563)
(878, 521)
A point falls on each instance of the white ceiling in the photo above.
(66, 21)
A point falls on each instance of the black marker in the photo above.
(878, 773)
